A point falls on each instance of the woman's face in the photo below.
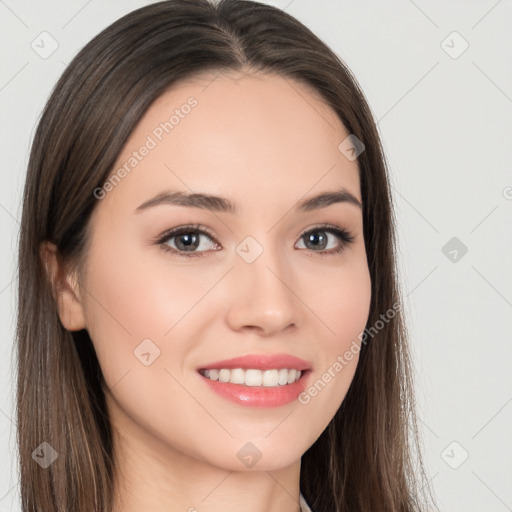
(247, 281)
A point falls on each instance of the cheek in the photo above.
(352, 307)
(343, 308)
(340, 298)
(132, 304)
(349, 320)
(126, 303)
(135, 294)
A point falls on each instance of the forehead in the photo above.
(237, 134)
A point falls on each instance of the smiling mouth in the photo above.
(253, 377)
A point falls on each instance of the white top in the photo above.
(304, 507)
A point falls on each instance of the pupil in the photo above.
(312, 238)
(191, 241)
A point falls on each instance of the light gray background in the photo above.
(446, 124)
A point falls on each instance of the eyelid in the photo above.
(327, 227)
(188, 228)
(344, 235)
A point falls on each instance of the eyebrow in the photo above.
(221, 204)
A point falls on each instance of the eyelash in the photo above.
(343, 235)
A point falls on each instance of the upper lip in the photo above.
(260, 362)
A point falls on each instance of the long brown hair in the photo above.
(362, 461)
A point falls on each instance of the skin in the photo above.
(258, 140)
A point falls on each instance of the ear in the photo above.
(65, 288)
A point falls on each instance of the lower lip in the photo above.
(259, 396)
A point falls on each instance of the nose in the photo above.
(262, 297)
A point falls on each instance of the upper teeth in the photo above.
(250, 377)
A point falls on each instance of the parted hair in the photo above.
(368, 458)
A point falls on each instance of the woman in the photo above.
(209, 317)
